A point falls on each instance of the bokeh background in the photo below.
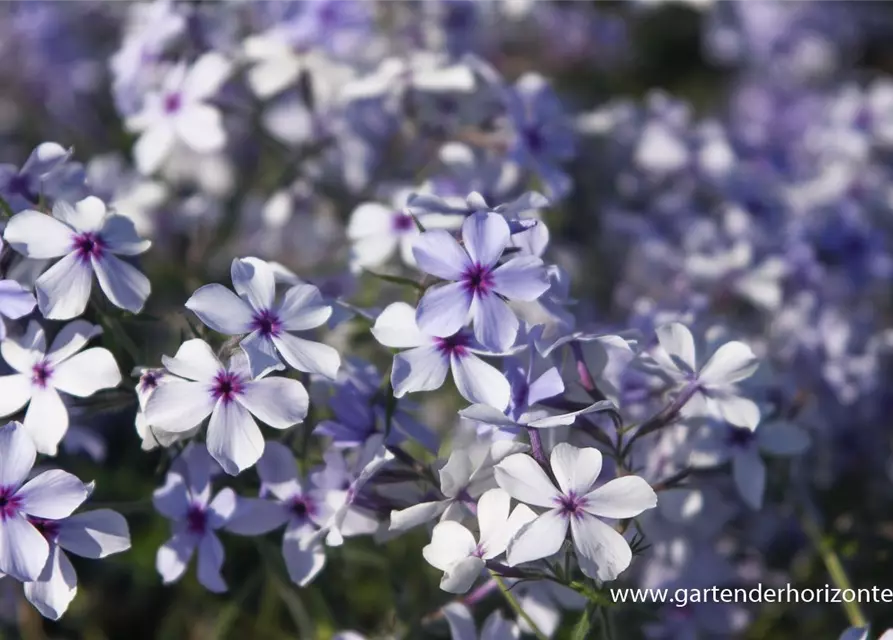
(786, 84)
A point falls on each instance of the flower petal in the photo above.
(64, 289)
(444, 310)
(395, 327)
(71, 338)
(234, 439)
(18, 456)
(749, 474)
(46, 420)
(23, 550)
(178, 406)
(460, 621)
(728, 406)
(279, 402)
(124, 285)
(624, 497)
(492, 515)
(731, 363)
(522, 278)
(15, 392)
(221, 309)
(485, 236)
(255, 282)
(38, 236)
(676, 350)
(419, 369)
(575, 469)
(85, 215)
(206, 76)
(303, 308)
(479, 382)
(195, 360)
(538, 539)
(308, 356)
(450, 543)
(120, 236)
(200, 126)
(487, 414)
(255, 517)
(94, 534)
(154, 146)
(567, 419)
(56, 587)
(460, 576)
(87, 372)
(262, 355)
(437, 252)
(603, 553)
(52, 495)
(304, 554)
(174, 555)
(278, 471)
(15, 300)
(416, 515)
(495, 324)
(525, 480)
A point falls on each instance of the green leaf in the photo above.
(591, 594)
(585, 627)
(400, 280)
(5, 208)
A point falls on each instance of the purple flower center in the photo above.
(478, 551)
(738, 437)
(9, 503)
(478, 279)
(402, 222)
(149, 380)
(227, 386)
(20, 184)
(49, 529)
(534, 139)
(88, 245)
(172, 102)
(571, 505)
(41, 373)
(454, 345)
(197, 519)
(302, 507)
(266, 323)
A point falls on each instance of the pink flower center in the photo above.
(172, 102)
(478, 279)
(88, 245)
(571, 505)
(9, 503)
(41, 373)
(149, 380)
(454, 345)
(49, 529)
(266, 323)
(402, 222)
(227, 386)
(302, 507)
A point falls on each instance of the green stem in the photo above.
(835, 568)
(607, 623)
(514, 604)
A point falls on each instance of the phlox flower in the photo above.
(52, 495)
(231, 396)
(180, 111)
(40, 375)
(461, 623)
(712, 386)
(716, 443)
(287, 499)
(149, 380)
(254, 311)
(424, 365)
(88, 239)
(603, 553)
(479, 287)
(185, 500)
(15, 302)
(454, 550)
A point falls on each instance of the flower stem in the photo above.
(514, 604)
(536, 447)
(834, 567)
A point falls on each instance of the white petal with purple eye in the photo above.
(71, 338)
(221, 309)
(15, 392)
(278, 471)
(179, 406)
(437, 252)
(64, 289)
(56, 587)
(255, 517)
(201, 127)
(782, 439)
(444, 310)
(480, 382)
(46, 420)
(396, 327)
(38, 236)
(125, 285)
(304, 553)
(195, 360)
(52, 495)
(749, 474)
(624, 497)
(15, 300)
(495, 324)
(450, 543)
(603, 553)
(18, 456)
(23, 549)
(417, 514)
(731, 363)
(154, 146)
(87, 372)
(525, 480)
(254, 281)
(420, 369)
(575, 469)
(538, 539)
(94, 534)
(303, 308)
(521, 278)
(120, 236)
(308, 356)
(279, 402)
(485, 236)
(676, 351)
(234, 439)
(174, 555)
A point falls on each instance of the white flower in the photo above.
(88, 239)
(713, 385)
(204, 387)
(180, 111)
(454, 550)
(41, 374)
(602, 552)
